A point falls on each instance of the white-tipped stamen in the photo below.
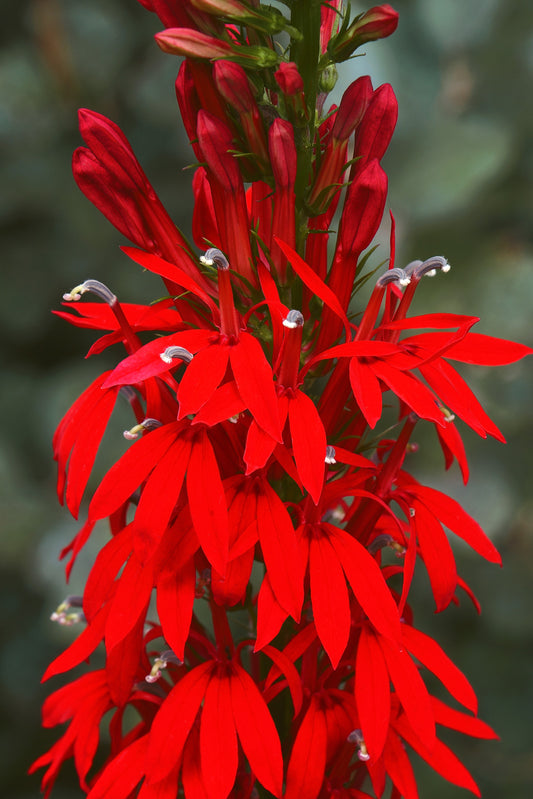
(293, 319)
(176, 353)
(395, 275)
(95, 287)
(60, 615)
(214, 257)
(161, 663)
(356, 737)
(428, 268)
(146, 424)
(330, 455)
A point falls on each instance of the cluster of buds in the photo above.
(252, 600)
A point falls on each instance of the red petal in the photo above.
(88, 438)
(456, 395)
(487, 350)
(367, 583)
(366, 390)
(159, 497)
(411, 691)
(280, 550)
(147, 362)
(121, 775)
(170, 272)
(399, 768)
(81, 648)
(129, 472)
(314, 283)
(456, 720)
(109, 561)
(173, 722)
(225, 403)
(202, 376)
(372, 692)
(437, 554)
(254, 380)
(439, 758)
(433, 657)
(130, 601)
(308, 442)
(270, 615)
(411, 390)
(289, 671)
(307, 765)
(329, 596)
(456, 519)
(208, 502)
(257, 732)
(175, 598)
(218, 740)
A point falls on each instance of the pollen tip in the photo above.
(216, 257)
(176, 353)
(395, 275)
(293, 319)
(330, 455)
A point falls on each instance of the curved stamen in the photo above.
(61, 616)
(330, 455)
(356, 737)
(429, 268)
(146, 424)
(293, 319)
(395, 275)
(176, 353)
(95, 287)
(214, 257)
(161, 663)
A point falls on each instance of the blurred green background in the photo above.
(460, 169)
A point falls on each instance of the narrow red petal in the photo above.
(173, 722)
(431, 655)
(218, 739)
(437, 554)
(254, 380)
(329, 596)
(372, 692)
(257, 732)
(308, 442)
(307, 765)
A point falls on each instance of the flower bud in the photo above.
(376, 23)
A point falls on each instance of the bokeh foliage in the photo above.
(461, 177)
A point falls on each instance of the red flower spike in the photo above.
(231, 383)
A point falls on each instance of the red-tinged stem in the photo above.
(362, 522)
(371, 314)
(229, 324)
(310, 665)
(130, 338)
(223, 636)
(290, 362)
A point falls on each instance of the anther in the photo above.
(176, 353)
(356, 737)
(330, 455)
(214, 257)
(146, 424)
(429, 268)
(95, 287)
(293, 319)
(161, 663)
(379, 542)
(61, 616)
(395, 275)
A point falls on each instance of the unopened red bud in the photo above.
(289, 79)
(376, 23)
(191, 43)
